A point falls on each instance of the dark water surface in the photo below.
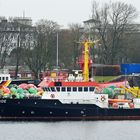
(70, 130)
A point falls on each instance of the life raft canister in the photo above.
(52, 96)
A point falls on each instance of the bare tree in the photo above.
(24, 40)
(76, 33)
(110, 22)
(38, 57)
(5, 46)
(49, 29)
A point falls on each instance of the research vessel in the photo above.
(75, 98)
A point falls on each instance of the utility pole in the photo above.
(57, 52)
(17, 55)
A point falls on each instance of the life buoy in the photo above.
(103, 98)
(52, 96)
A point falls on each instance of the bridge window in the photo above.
(6, 78)
(91, 88)
(68, 88)
(63, 89)
(52, 89)
(74, 88)
(80, 89)
(85, 88)
(45, 89)
(58, 88)
(48, 89)
(3, 78)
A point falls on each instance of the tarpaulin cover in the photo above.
(130, 68)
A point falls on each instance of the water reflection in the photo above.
(70, 130)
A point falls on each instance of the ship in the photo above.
(75, 98)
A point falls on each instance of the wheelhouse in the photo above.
(69, 89)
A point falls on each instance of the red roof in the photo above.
(68, 84)
(45, 83)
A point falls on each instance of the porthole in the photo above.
(23, 112)
(82, 112)
(32, 112)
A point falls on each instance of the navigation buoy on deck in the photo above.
(131, 105)
(6, 90)
(13, 90)
(115, 105)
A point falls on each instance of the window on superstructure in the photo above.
(68, 88)
(58, 88)
(52, 89)
(80, 89)
(44, 89)
(47, 89)
(63, 89)
(85, 88)
(91, 88)
(74, 88)
(3, 78)
(0, 78)
(6, 78)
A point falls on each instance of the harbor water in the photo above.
(70, 130)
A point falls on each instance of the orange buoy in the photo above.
(131, 105)
(118, 100)
(115, 105)
(6, 90)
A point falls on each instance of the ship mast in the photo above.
(87, 44)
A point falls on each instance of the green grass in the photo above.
(104, 78)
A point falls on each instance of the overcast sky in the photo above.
(63, 12)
